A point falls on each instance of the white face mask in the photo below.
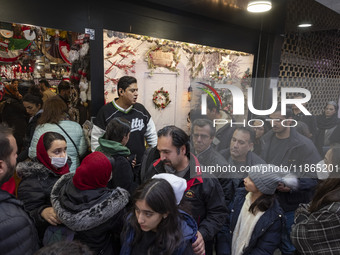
(58, 162)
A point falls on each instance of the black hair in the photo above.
(262, 203)
(34, 96)
(179, 138)
(159, 195)
(250, 131)
(116, 129)
(44, 81)
(63, 85)
(65, 247)
(5, 147)
(202, 123)
(49, 137)
(211, 104)
(124, 82)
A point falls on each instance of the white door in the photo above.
(166, 116)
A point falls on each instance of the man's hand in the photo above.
(282, 188)
(198, 245)
(50, 216)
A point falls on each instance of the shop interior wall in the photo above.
(128, 17)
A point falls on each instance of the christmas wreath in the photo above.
(161, 98)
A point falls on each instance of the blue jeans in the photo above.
(286, 245)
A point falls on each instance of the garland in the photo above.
(176, 57)
(161, 98)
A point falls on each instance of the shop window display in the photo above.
(30, 53)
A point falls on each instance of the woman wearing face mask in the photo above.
(33, 103)
(54, 119)
(38, 177)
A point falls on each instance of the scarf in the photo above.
(245, 225)
(43, 157)
(112, 148)
(9, 90)
(327, 123)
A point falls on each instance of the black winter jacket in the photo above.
(28, 138)
(17, 231)
(14, 114)
(205, 195)
(266, 235)
(95, 215)
(35, 189)
(299, 152)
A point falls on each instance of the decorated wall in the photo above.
(166, 70)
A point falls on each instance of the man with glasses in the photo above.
(203, 133)
(284, 146)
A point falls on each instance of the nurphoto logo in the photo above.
(238, 102)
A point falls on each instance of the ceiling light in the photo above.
(305, 25)
(259, 6)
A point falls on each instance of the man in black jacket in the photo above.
(204, 194)
(17, 231)
(284, 146)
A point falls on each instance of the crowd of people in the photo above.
(60, 195)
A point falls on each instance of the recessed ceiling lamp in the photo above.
(305, 24)
(259, 6)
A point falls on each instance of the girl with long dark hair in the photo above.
(256, 219)
(317, 224)
(156, 225)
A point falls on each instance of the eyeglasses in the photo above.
(196, 136)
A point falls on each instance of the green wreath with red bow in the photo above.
(161, 98)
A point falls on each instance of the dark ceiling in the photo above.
(228, 11)
(284, 16)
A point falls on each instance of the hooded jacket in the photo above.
(189, 230)
(17, 231)
(95, 215)
(266, 235)
(34, 190)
